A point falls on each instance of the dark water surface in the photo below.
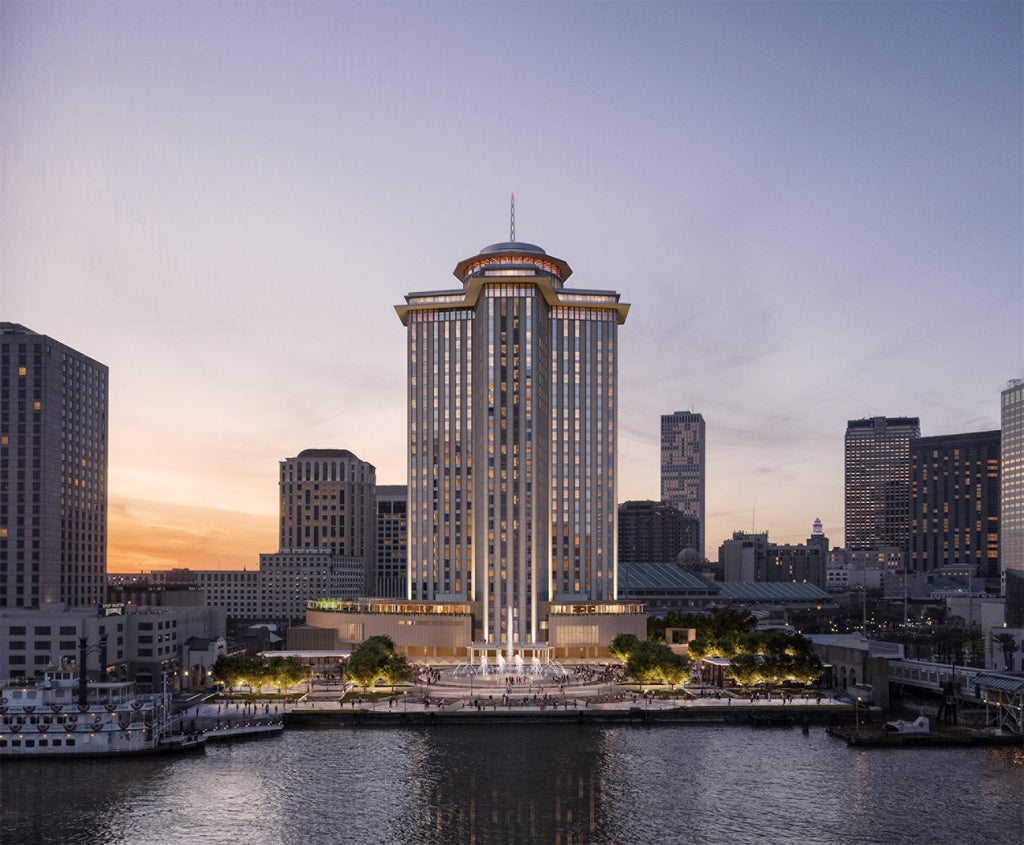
(552, 784)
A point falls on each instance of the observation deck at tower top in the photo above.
(512, 260)
(521, 249)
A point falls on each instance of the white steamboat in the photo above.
(63, 715)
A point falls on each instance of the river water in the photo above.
(534, 783)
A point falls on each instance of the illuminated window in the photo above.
(22, 371)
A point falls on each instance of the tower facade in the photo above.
(654, 532)
(1011, 507)
(328, 504)
(954, 502)
(392, 541)
(512, 441)
(878, 482)
(683, 466)
(53, 472)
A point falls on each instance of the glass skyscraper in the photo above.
(512, 442)
(878, 482)
(1011, 507)
(954, 502)
(683, 466)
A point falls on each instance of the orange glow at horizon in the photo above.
(145, 535)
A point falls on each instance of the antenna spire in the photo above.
(512, 220)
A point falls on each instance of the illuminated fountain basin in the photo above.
(503, 668)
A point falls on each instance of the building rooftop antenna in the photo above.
(512, 220)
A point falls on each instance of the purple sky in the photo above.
(815, 210)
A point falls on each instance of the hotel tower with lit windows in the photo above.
(512, 499)
(512, 447)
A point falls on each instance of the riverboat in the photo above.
(62, 715)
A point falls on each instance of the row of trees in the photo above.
(649, 662)
(755, 657)
(259, 672)
(721, 622)
(376, 660)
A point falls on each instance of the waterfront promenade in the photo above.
(585, 693)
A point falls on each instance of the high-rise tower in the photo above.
(954, 502)
(392, 541)
(512, 441)
(53, 472)
(683, 466)
(878, 482)
(328, 504)
(1011, 478)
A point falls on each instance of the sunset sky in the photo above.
(814, 209)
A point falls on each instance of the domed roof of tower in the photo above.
(512, 246)
(492, 254)
(326, 453)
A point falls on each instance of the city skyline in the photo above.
(813, 210)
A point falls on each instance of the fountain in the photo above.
(501, 664)
(535, 669)
(518, 660)
(483, 663)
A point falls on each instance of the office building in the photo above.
(654, 532)
(238, 592)
(1011, 478)
(53, 472)
(151, 645)
(290, 579)
(683, 466)
(878, 482)
(752, 558)
(512, 449)
(954, 502)
(392, 540)
(328, 504)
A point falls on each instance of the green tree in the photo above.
(259, 673)
(287, 671)
(397, 671)
(644, 662)
(376, 659)
(229, 670)
(364, 670)
(745, 669)
(650, 663)
(674, 668)
(623, 645)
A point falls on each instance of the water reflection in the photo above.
(481, 785)
(546, 784)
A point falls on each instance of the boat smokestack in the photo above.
(83, 681)
(103, 657)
